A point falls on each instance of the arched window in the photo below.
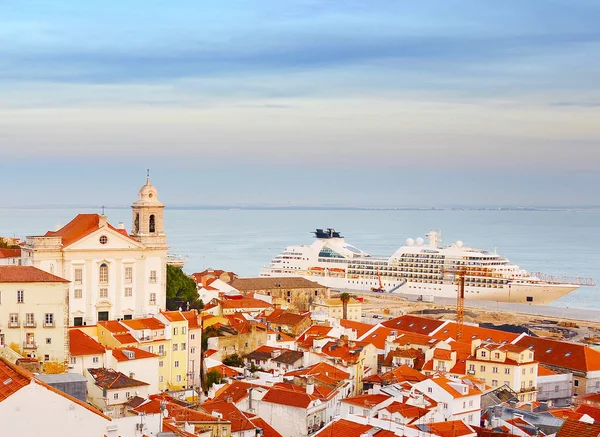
(152, 223)
(103, 273)
(136, 223)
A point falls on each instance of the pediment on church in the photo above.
(105, 238)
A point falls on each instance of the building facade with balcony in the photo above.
(113, 274)
(34, 312)
(505, 364)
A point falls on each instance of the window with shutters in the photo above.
(103, 273)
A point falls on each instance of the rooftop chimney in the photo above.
(101, 221)
(121, 225)
(310, 385)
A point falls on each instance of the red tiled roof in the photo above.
(589, 398)
(268, 430)
(562, 354)
(360, 328)
(225, 371)
(289, 398)
(81, 226)
(409, 338)
(192, 318)
(544, 371)
(111, 380)
(125, 338)
(566, 413)
(145, 323)
(452, 428)
(244, 303)
(450, 330)
(114, 327)
(322, 372)
(314, 331)
(152, 406)
(347, 428)
(14, 378)
(239, 422)
(367, 401)
(403, 373)
(174, 316)
(346, 352)
(236, 390)
(593, 412)
(280, 317)
(27, 274)
(138, 354)
(572, 428)
(82, 344)
(10, 253)
(444, 383)
(377, 337)
(408, 323)
(407, 411)
(442, 354)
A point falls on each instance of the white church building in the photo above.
(112, 274)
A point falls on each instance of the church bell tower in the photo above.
(148, 217)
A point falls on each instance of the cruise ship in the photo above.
(421, 268)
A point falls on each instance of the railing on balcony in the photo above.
(30, 324)
(527, 389)
(49, 325)
(30, 345)
(13, 324)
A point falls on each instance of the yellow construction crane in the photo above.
(459, 274)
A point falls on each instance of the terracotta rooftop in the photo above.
(408, 323)
(125, 338)
(174, 316)
(10, 253)
(114, 327)
(289, 398)
(377, 337)
(403, 373)
(239, 422)
(452, 428)
(349, 351)
(572, 428)
(450, 330)
(251, 284)
(145, 323)
(13, 378)
(111, 380)
(445, 383)
(562, 354)
(26, 274)
(347, 428)
(236, 390)
(322, 372)
(289, 357)
(544, 371)
(135, 353)
(268, 430)
(287, 318)
(81, 226)
(314, 331)
(82, 344)
(407, 411)
(367, 401)
(360, 328)
(192, 318)
(593, 412)
(244, 303)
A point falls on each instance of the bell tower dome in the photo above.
(148, 217)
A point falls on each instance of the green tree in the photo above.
(213, 377)
(181, 291)
(234, 360)
(345, 298)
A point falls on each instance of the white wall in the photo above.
(144, 369)
(34, 411)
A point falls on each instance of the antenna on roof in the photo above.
(103, 209)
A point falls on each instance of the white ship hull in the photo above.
(535, 294)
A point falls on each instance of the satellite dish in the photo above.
(459, 244)
(410, 242)
(420, 241)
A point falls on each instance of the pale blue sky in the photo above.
(382, 102)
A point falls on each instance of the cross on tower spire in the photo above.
(147, 175)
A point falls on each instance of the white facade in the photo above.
(465, 406)
(113, 275)
(292, 421)
(142, 369)
(36, 410)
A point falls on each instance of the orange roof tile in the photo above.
(408, 323)
(367, 401)
(138, 354)
(225, 371)
(114, 327)
(280, 317)
(360, 328)
(442, 354)
(451, 428)
(10, 253)
(192, 318)
(544, 371)
(236, 390)
(82, 344)
(81, 226)
(562, 354)
(475, 332)
(323, 372)
(314, 331)
(125, 338)
(145, 323)
(173, 316)
(347, 428)
(409, 338)
(407, 411)
(377, 337)
(268, 430)
(239, 422)
(403, 373)
(152, 406)
(289, 398)
(593, 412)
(111, 380)
(27, 274)
(572, 428)
(244, 303)
(444, 383)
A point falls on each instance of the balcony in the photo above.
(528, 389)
(49, 325)
(30, 324)
(30, 345)
(14, 324)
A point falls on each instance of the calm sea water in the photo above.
(555, 242)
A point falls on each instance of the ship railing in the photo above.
(574, 280)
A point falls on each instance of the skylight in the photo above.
(548, 351)
(474, 336)
(445, 331)
(568, 354)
